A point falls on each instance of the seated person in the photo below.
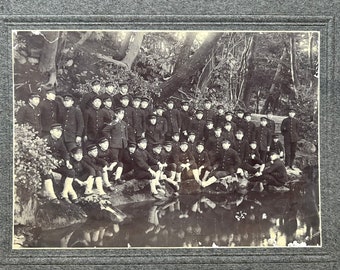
(128, 161)
(113, 165)
(61, 160)
(170, 169)
(253, 163)
(202, 160)
(276, 146)
(274, 173)
(84, 173)
(227, 163)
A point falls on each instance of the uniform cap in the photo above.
(152, 116)
(199, 111)
(291, 110)
(183, 142)
(34, 94)
(264, 119)
(105, 97)
(124, 97)
(109, 83)
(227, 123)
(145, 99)
(175, 133)
(118, 109)
(68, 96)
(253, 142)
(142, 139)
(50, 90)
(192, 133)
(76, 150)
(226, 141)
(103, 139)
(185, 103)
(272, 153)
(239, 111)
(239, 132)
(275, 136)
(159, 106)
(121, 83)
(132, 144)
(137, 98)
(91, 147)
(56, 126)
(247, 114)
(167, 143)
(95, 82)
(228, 113)
(207, 100)
(220, 107)
(200, 143)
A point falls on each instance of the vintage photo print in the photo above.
(165, 139)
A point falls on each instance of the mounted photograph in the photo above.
(165, 139)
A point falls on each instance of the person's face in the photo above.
(159, 112)
(240, 115)
(108, 103)
(185, 107)
(56, 133)
(253, 146)
(175, 138)
(210, 125)
(270, 115)
(218, 132)
(199, 116)
(50, 96)
(132, 149)
(153, 121)
(68, 102)
(220, 111)
(120, 115)
(144, 104)
(184, 147)
(276, 140)
(136, 103)
(225, 145)
(200, 148)
(93, 152)
(239, 136)
(228, 117)
(192, 137)
(227, 127)
(207, 105)
(110, 89)
(291, 114)
(124, 89)
(248, 118)
(35, 101)
(263, 123)
(104, 145)
(96, 88)
(168, 147)
(142, 145)
(97, 103)
(157, 149)
(273, 157)
(170, 105)
(125, 102)
(78, 156)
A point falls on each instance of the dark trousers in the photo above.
(271, 180)
(290, 150)
(263, 155)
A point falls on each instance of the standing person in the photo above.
(154, 133)
(123, 91)
(30, 113)
(110, 89)
(263, 137)
(72, 120)
(197, 125)
(130, 117)
(192, 141)
(249, 127)
(94, 120)
(173, 118)
(228, 132)
(88, 97)
(239, 120)
(107, 108)
(241, 145)
(214, 144)
(161, 122)
(219, 118)
(185, 118)
(209, 130)
(271, 123)
(140, 124)
(208, 113)
(116, 132)
(145, 110)
(290, 132)
(49, 111)
(229, 118)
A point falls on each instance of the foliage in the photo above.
(30, 159)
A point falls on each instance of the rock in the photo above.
(306, 147)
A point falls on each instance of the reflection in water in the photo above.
(224, 220)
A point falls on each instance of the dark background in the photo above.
(302, 15)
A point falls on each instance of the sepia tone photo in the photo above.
(166, 139)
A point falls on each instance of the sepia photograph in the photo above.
(165, 139)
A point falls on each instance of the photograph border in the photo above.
(233, 258)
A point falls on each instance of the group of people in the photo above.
(110, 136)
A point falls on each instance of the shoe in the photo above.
(75, 201)
(54, 200)
(120, 181)
(65, 199)
(111, 188)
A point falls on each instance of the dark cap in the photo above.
(191, 133)
(239, 131)
(200, 143)
(91, 147)
(247, 114)
(50, 90)
(109, 83)
(105, 97)
(264, 118)
(56, 126)
(175, 133)
(184, 102)
(95, 82)
(124, 97)
(141, 139)
(183, 142)
(118, 109)
(132, 144)
(239, 110)
(137, 98)
(226, 141)
(291, 110)
(218, 128)
(227, 123)
(76, 150)
(122, 83)
(152, 116)
(145, 99)
(103, 139)
(159, 106)
(275, 136)
(155, 145)
(207, 100)
(34, 94)
(170, 100)
(199, 111)
(68, 96)
(167, 143)
(272, 153)
(96, 97)
(220, 107)
(209, 121)
(253, 142)
(228, 113)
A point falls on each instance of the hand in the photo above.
(253, 156)
(68, 165)
(185, 133)
(78, 140)
(153, 173)
(85, 138)
(268, 148)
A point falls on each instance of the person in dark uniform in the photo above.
(110, 88)
(197, 125)
(72, 120)
(114, 166)
(219, 118)
(130, 117)
(209, 130)
(128, 161)
(30, 113)
(116, 132)
(263, 137)
(49, 111)
(123, 91)
(61, 160)
(145, 110)
(276, 146)
(241, 145)
(202, 160)
(107, 108)
(85, 102)
(274, 173)
(228, 132)
(184, 160)
(84, 173)
(175, 141)
(227, 163)
(239, 120)
(229, 118)
(290, 132)
(253, 163)
(161, 122)
(94, 121)
(208, 113)
(214, 144)
(249, 127)
(170, 169)
(154, 134)
(271, 123)
(173, 118)
(192, 141)
(185, 118)
(139, 124)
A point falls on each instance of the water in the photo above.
(250, 219)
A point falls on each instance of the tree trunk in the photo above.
(185, 50)
(310, 60)
(121, 53)
(133, 49)
(293, 70)
(246, 89)
(186, 71)
(47, 61)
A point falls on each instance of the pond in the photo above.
(239, 219)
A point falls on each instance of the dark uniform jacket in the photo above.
(130, 117)
(154, 134)
(82, 168)
(173, 118)
(94, 120)
(276, 147)
(116, 132)
(239, 122)
(277, 169)
(271, 126)
(144, 113)
(249, 131)
(213, 146)
(197, 126)
(183, 157)
(207, 133)
(28, 114)
(95, 162)
(185, 120)
(230, 135)
(290, 129)
(161, 157)
(143, 159)
(107, 155)
(128, 160)
(263, 138)
(208, 114)
(242, 148)
(57, 148)
(108, 115)
(227, 159)
(85, 102)
(192, 145)
(49, 113)
(162, 124)
(116, 99)
(72, 121)
(201, 159)
(253, 157)
(219, 120)
(140, 121)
